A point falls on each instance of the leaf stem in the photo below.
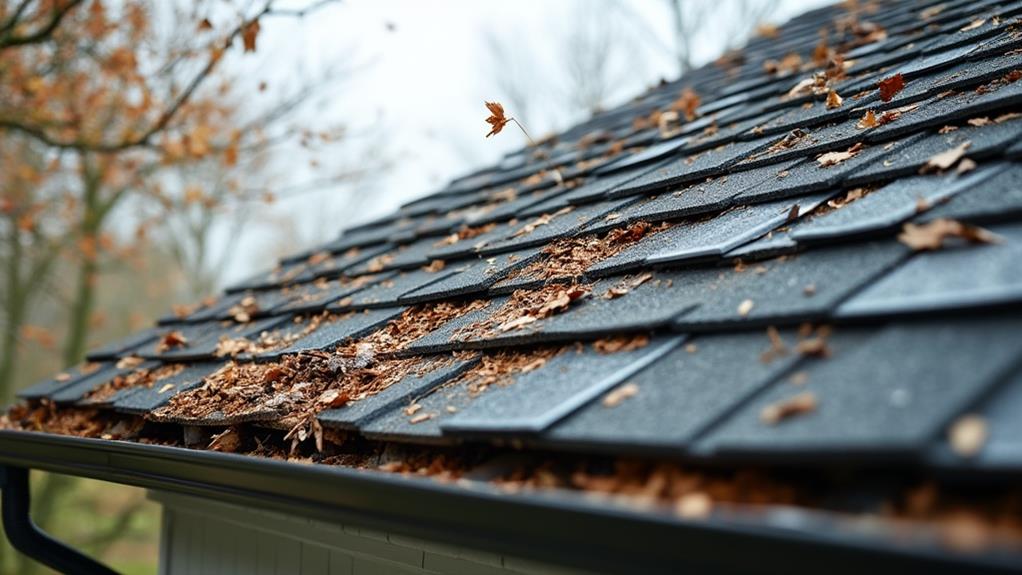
(520, 127)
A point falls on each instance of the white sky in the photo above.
(423, 70)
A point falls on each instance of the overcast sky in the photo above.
(421, 71)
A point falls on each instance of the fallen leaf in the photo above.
(965, 166)
(420, 418)
(497, 120)
(814, 346)
(834, 158)
(968, 435)
(889, 87)
(697, 505)
(687, 103)
(931, 235)
(619, 394)
(973, 25)
(129, 362)
(171, 340)
(795, 405)
(333, 398)
(165, 388)
(516, 323)
(745, 307)
(868, 120)
(834, 100)
(946, 159)
(249, 34)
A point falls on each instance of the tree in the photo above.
(120, 115)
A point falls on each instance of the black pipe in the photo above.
(27, 538)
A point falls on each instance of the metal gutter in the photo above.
(560, 527)
(26, 537)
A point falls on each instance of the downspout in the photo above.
(27, 538)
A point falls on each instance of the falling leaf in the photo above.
(967, 435)
(945, 159)
(619, 394)
(889, 87)
(745, 307)
(931, 235)
(834, 101)
(249, 34)
(868, 120)
(795, 405)
(497, 120)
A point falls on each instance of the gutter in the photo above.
(559, 527)
(27, 538)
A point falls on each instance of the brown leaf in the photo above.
(945, 159)
(795, 405)
(333, 398)
(687, 103)
(619, 394)
(171, 340)
(249, 34)
(834, 100)
(129, 362)
(889, 87)
(835, 158)
(868, 120)
(496, 120)
(931, 236)
(205, 24)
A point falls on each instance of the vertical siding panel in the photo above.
(315, 560)
(196, 527)
(289, 557)
(248, 551)
(266, 554)
(340, 564)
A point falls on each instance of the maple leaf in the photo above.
(249, 34)
(889, 87)
(931, 235)
(497, 119)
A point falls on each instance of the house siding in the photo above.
(206, 537)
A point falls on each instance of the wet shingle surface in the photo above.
(724, 263)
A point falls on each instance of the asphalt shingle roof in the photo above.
(687, 252)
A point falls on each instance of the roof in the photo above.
(802, 256)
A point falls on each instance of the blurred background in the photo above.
(152, 152)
